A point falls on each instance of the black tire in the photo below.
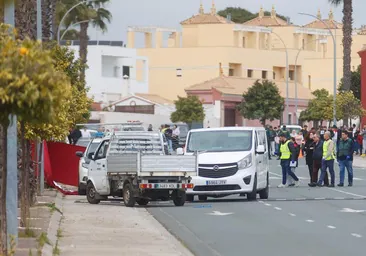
(128, 197)
(91, 194)
(263, 194)
(202, 198)
(180, 198)
(190, 198)
(252, 196)
(142, 201)
(81, 190)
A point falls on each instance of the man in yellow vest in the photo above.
(328, 160)
(288, 159)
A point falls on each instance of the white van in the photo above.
(231, 160)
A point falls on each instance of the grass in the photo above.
(53, 208)
(56, 250)
(59, 233)
(42, 240)
(27, 233)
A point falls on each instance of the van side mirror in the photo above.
(180, 151)
(90, 155)
(79, 154)
(260, 149)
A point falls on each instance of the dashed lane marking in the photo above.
(278, 208)
(292, 214)
(331, 227)
(356, 235)
(310, 221)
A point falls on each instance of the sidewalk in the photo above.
(113, 229)
(359, 161)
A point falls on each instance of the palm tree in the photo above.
(26, 18)
(347, 40)
(93, 11)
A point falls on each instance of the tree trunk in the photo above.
(347, 43)
(54, 23)
(46, 20)
(26, 18)
(4, 174)
(24, 181)
(1, 11)
(83, 50)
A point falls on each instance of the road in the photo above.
(299, 221)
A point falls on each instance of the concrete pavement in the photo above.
(110, 228)
(293, 221)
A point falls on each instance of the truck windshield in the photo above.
(220, 141)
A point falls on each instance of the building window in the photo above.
(303, 44)
(309, 81)
(243, 42)
(117, 71)
(126, 71)
(179, 72)
(250, 73)
(264, 74)
(291, 75)
(231, 72)
(289, 119)
(274, 75)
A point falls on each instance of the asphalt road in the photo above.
(299, 221)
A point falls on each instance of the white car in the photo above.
(231, 160)
(84, 163)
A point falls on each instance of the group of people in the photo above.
(171, 135)
(321, 148)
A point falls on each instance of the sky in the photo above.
(169, 13)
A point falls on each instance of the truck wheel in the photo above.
(252, 196)
(202, 198)
(190, 198)
(91, 194)
(263, 194)
(128, 198)
(180, 198)
(142, 201)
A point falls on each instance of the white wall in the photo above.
(101, 77)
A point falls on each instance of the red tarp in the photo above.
(61, 165)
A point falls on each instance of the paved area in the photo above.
(112, 229)
(293, 221)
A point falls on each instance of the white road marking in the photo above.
(319, 198)
(267, 204)
(357, 179)
(338, 198)
(281, 199)
(274, 178)
(331, 227)
(291, 214)
(300, 199)
(275, 174)
(356, 235)
(310, 221)
(278, 208)
(352, 210)
(345, 192)
(260, 202)
(34, 228)
(217, 213)
(31, 218)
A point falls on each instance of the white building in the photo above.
(114, 72)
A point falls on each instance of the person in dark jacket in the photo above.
(75, 135)
(309, 149)
(297, 141)
(345, 159)
(287, 156)
(317, 161)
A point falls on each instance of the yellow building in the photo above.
(253, 50)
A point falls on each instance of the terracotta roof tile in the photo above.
(320, 25)
(239, 85)
(154, 98)
(206, 18)
(266, 21)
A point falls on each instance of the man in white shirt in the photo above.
(85, 133)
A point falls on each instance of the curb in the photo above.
(53, 227)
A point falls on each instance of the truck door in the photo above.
(98, 169)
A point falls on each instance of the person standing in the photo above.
(317, 162)
(85, 133)
(175, 137)
(287, 156)
(305, 131)
(277, 142)
(364, 140)
(285, 132)
(327, 160)
(309, 150)
(297, 141)
(345, 159)
(168, 135)
(150, 128)
(272, 135)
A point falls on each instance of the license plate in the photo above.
(167, 186)
(215, 182)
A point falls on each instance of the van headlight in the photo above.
(246, 162)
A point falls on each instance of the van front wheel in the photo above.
(91, 194)
(263, 194)
(252, 196)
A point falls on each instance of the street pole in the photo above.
(12, 156)
(296, 97)
(334, 66)
(72, 25)
(287, 78)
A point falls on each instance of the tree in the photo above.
(93, 11)
(355, 83)
(31, 89)
(348, 105)
(240, 15)
(262, 101)
(26, 18)
(347, 40)
(188, 110)
(320, 108)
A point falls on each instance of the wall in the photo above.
(100, 76)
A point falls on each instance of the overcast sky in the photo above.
(169, 13)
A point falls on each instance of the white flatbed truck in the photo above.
(134, 165)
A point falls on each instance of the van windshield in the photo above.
(220, 141)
